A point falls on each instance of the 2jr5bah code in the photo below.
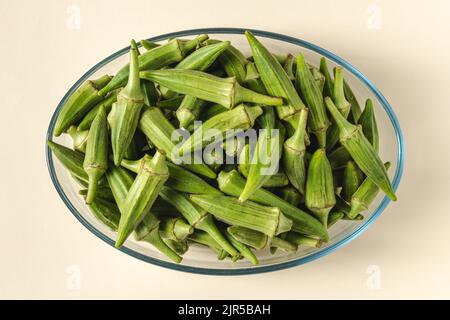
(226, 309)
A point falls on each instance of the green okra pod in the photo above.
(355, 108)
(180, 179)
(70, 159)
(320, 197)
(266, 155)
(120, 182)
(103, 192)
(96, 159)
(278, 179)
(268, 220)
(126, 111)
(288, 66)
(364, 196)
(240, 118)
(197, 217)
(180, 247)
(232, 184)
(79, 103)
(353, 177)
(303, 241)
(328, 85)
(107, 103)
(319, 78)
(340, 102)
(159, 130)
(318, 120)
(232, 61)
(149, 45)
(142, 194)
(259, 240)
(211, 111)
(334, 217)
(170, 104)
(189, 110)
(339, 157)
(224, 91)
(362, 152)
(156, 58)
(148, 230)
(276, 81)
(175, 228)
(106, 212)
(369, 125)
(243, 249)
(294, 154)
(79, 138)
(291, 195)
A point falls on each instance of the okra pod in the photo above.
(142, 194)
(276, 81)
(175, 228)
(96, 159)
(243, 249)
(79, 138)
(232, 60)
(291, 195)
(70, 159)
(79, 103)
(259, 240)
(328, 86)
(85, 124)
(369, 125)
(189, 110)
(340, 102)
(334, 217)
(339, 157)
(240, 118)
(224, 91)
(159, 130)
(103, 192)
(364, 196)
(180, 247)
(126, 111)
(278, 179)
(355, 108)
(319, 78)
(303, 241)
(268, 220)
(197, 217)
(156, 58)
(318, 119)
(232, 183)
(179, 179)
(148, 230)
(288, 66)
(211, 111)
(294, 154)
(148, 45)
(106, 212)
(319, 197)
(266, 155)
(362, 152)
(353, 177)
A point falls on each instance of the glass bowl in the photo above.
(201, 260)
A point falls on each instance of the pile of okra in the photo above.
(326, 147)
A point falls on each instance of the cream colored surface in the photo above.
(402, 46)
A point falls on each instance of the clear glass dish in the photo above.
(201, 260)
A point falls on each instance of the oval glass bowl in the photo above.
(202, 260)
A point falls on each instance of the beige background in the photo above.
(402, 46)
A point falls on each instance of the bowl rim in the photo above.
(254, 269)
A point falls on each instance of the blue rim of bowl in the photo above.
(252, 270)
